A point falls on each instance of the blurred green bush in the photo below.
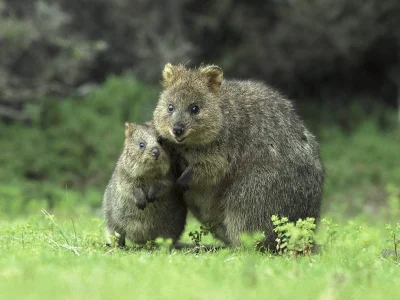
(360, 169)
(66, 155)
(29, 198)
(75, 142)
(368, 156)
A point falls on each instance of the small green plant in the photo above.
(331, 230)
(394, 235)
(93, 239)
(196, 236)
(294, 238)
(255, 241)
(150, 245)
(114, 239)
(24, 229)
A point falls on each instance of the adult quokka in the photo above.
(244, 152)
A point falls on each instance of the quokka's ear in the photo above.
(129, 128)
(214, 75)
(171, 73)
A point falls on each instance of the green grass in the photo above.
(67, 259)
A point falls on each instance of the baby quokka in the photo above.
(140, 202)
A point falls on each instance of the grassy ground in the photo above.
(63, 256)
(40, 259)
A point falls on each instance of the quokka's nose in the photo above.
(155, 152)
(178, 129)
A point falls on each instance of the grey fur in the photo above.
(138, 180)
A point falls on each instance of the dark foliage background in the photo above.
(325, 50)
(72, 71)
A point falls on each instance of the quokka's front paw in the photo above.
(141, 204)
(151, 199)
(152, 194)
(156, 192)
(185, 179)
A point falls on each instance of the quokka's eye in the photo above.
(141, 145)
(160, 141)
(194, 109)
(170, 107)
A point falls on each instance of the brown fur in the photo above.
(138, 179)
(246, 154)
